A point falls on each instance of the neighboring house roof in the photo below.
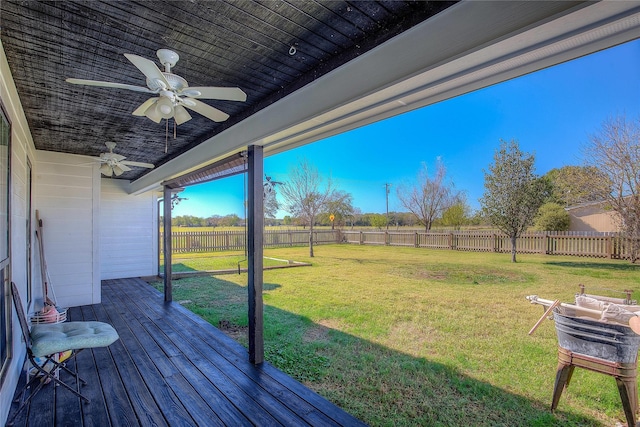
(599, 204)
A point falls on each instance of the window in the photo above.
(5, 300)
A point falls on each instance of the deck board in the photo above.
(172, 368)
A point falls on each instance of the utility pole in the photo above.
(387, 187)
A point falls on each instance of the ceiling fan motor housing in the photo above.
(176, 83)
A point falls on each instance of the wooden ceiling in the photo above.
(268, 48)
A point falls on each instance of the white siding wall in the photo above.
(128, 232)
(22, 147)
(66, 191)
(68, 202)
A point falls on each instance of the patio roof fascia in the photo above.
(229, 166)
(487, 43)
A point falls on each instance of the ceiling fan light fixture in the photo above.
(164, 107)
(106, 170)
(117, 170)
(181, 115)
(153, 114)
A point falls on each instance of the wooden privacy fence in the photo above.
(213, 241)
(595, 246)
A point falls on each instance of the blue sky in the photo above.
(551, 113)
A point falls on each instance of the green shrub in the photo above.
(551, 217)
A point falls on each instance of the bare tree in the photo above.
(615, 151)
(429, 197)
(304, 196)
(513, 193)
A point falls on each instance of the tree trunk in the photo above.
(513, 248)
(311, 241)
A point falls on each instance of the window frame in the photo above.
(5, 277)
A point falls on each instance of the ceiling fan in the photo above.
(115, 164)
(174, 94)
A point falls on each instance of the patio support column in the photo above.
(255, 229)
(166, 224)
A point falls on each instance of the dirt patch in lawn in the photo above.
(238, 333)
(457, 274)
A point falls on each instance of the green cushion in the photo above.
(47, 339)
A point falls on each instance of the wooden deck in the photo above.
(170, 367)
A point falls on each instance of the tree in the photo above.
(429, 197)
(356, 214)
(551, 217)
(340, 205)
(457, 214)
(572, 185)
(271, 204)
(230, 220)
(188, 221)
(615, 152)
(378, 220)
(513, 193)
(304, 196)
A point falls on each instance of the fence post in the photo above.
(495, 242)
(386, 238)
(451, 245)
(547, 244)
(361, 238)
(417, 240)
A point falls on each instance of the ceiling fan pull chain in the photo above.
(166, 138)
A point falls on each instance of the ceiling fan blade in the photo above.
(181, 115)
(122, 167)
(106, 170)
(109, 84)
(148, 68)
(222, 93)
(208, 111)
(186, 101)
(137, 164)
(141, 110)
(99, 159)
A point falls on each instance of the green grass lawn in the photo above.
(405, 336)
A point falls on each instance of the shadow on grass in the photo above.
(374, 383)
(618, 266)
(181, 268)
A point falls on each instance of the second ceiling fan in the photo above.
(174, 94)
